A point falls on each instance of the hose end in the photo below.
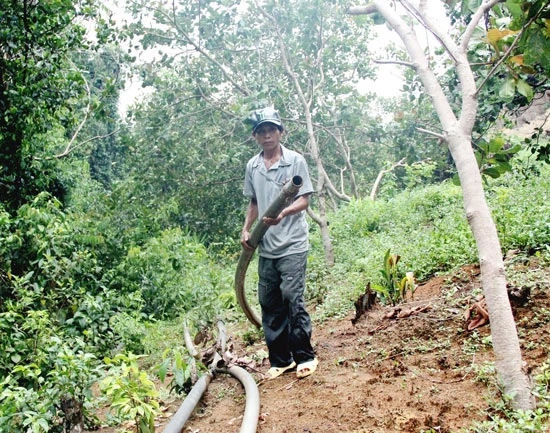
(297, 181)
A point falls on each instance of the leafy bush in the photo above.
(41, 250)
(174, 274)
(47, 265)
(360, 217)
(425, 227)
(434, 214)
(180, 364)
(521, 207)
(131, 393)
(45, 374)
(24, 410)
(54, 317)
(130, 330)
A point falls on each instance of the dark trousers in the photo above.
(286, 323)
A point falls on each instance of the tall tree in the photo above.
(96, 138)
(457, 123)
(187, 159)
(46, 93)
(38, 86)
(33, 41)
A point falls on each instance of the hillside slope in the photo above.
(420, 373)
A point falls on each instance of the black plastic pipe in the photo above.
(285, 197)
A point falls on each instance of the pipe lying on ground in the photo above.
(186, 409)
(252, 403)
(284, 198)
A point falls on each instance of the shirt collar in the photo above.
(282, 162)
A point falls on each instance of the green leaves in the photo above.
(131, 393)
(37, 82)
(514, 7)
(180, 366)
(42, 367)
(536, 49)
(394, 288)
(200, 101)
(172, 273)
(493, 157)
(525, 89)
(511, 58)
(508, 89)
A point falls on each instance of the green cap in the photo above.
(265, 115)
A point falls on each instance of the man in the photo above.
(282, 250)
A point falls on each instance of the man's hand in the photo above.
(273, 221)
(245, 236)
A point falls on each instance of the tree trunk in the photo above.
(325, 235)
(509, 364)
(314, 148)
(458, 136)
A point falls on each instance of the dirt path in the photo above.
(382, 375)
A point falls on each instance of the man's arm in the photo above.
(298, 205)
(251, 216)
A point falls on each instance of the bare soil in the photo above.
(409, 372)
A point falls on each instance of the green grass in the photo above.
(427, 227)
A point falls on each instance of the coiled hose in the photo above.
(285, 197)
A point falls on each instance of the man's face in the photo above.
(268, 136)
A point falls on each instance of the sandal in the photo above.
(307, 368)
(274, 372)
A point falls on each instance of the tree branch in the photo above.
(362, 10)
(467, 35)
(333, 189)
(86, 115)
(425, 21)
(381, 175)
(394, 62)
(69, 149)
(507, 53)
(313, 215)
(320, 63)
(420, 61)
(330, 186)
(432, 133)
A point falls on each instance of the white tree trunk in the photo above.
(458, 136)
(509, 364)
